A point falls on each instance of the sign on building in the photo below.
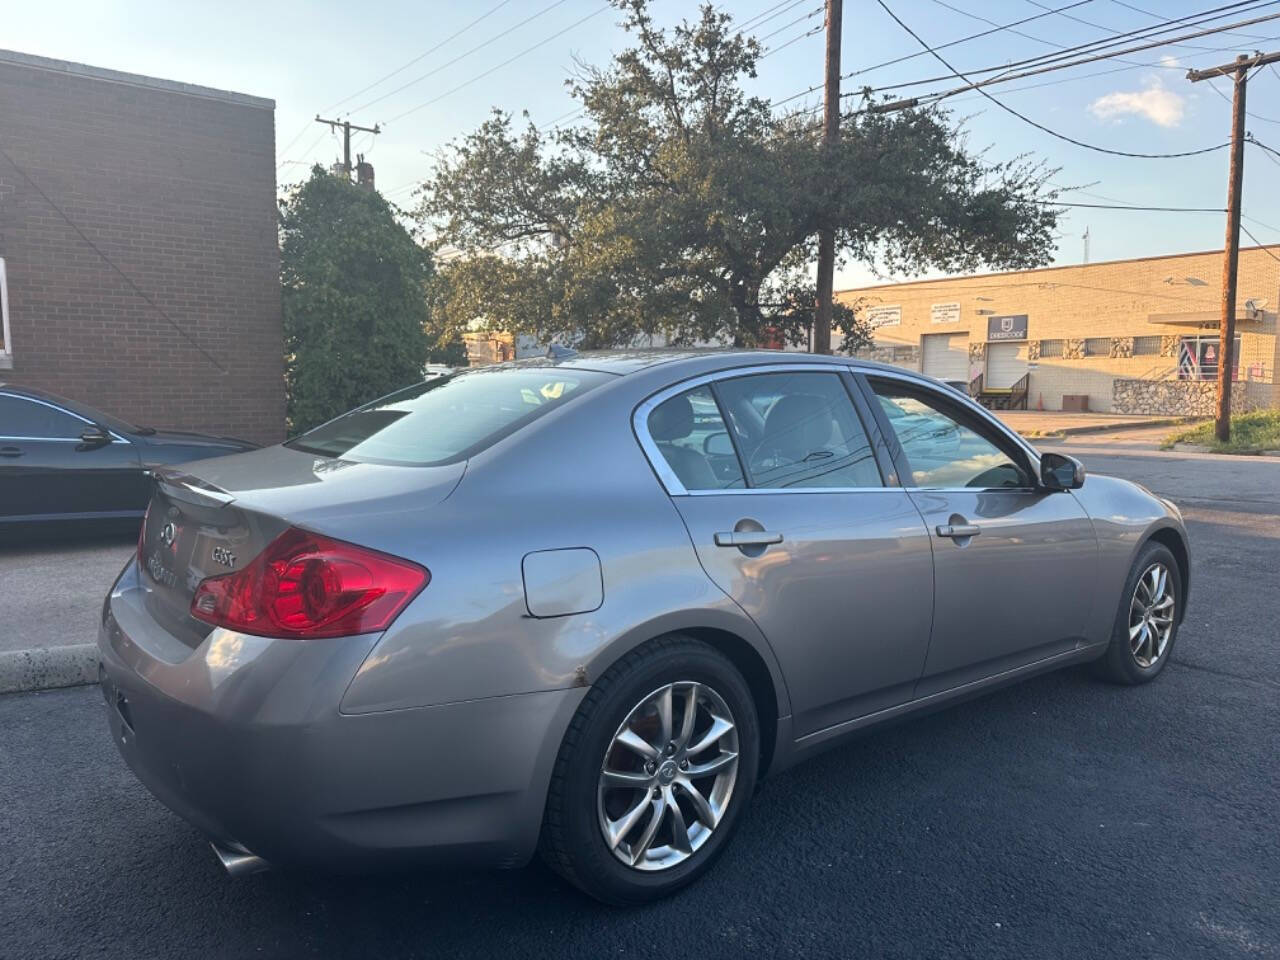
(944, 313)
(1012, 327)
(883, 317)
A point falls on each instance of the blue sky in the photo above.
(313, 57)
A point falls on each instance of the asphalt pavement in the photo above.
(1059, 818)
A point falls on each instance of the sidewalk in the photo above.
(52, 595)
(1046, 423)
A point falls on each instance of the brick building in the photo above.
(138, 239)
(1127, 336)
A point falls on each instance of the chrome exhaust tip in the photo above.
(237, 861)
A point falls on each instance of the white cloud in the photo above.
(1169, 61)
(1160, 106)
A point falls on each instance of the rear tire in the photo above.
(642, 803)
(1146, 624)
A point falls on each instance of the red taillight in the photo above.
(306, 585)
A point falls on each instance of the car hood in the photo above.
(321, 492)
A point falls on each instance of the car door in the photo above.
(790, 514)
(1013, 562)
(48, 470)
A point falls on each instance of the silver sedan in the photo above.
(581, 606)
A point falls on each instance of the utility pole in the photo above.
(347, 126)
(1085, 238)
(1239, 72)
(830, 137)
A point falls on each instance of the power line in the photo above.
(912, 56)
(1262, 246)
(1129, 206)
(1136, 9)
(1061, 136)
(462, 56)
(769, 13)
(796, 39)
(808, 16)
(1048, 62)
(1028, 120)
(494, 69)
(111, 263)
(449, 39)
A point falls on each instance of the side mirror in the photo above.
(1060, 472)
(95, 436)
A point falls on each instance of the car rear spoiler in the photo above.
(190, 489)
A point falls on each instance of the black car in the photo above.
(62, 461)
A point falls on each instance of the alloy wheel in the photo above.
(668, 776)
(1151, 614)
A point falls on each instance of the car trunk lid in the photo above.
(214, 517)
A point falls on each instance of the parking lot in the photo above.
(1058, 818)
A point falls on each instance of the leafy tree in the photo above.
(682, 206)
(355, 299)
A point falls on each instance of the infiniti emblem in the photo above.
(168, 533)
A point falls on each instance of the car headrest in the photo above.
(798, 424)
(672, 420)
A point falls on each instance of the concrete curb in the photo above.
(1113, 427)
(48, 667)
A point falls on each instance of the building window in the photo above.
(1052, 348)
(1146, 346)
(1097, 347)
(1198, 358)
(6, 345)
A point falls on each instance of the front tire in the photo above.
(653, 774)
(1147, 622)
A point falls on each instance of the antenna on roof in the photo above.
(559, 352)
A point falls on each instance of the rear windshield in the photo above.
(447, 418)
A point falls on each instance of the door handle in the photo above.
(10, 452)
(957, 530)
(747, 538)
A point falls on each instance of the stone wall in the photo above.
(1175, 398)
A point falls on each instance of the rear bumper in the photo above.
(243, 738)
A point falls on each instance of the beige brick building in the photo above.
(1127, 336)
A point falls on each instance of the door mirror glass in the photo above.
(1060, 472)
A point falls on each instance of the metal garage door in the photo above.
(946, 356)
(1006, 364)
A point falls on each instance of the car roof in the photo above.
(690, 361)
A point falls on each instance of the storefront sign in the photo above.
(944, 313)
(883, 317)
(1007, 328)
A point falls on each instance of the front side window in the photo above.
(447, 418)
(942, 449)
(797, 431)
(24, 418)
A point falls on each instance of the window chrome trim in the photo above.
(672, 484)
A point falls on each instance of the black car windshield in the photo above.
(447, 418)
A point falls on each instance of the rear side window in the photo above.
(690, 433)
(799, 431)
(447, 418)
